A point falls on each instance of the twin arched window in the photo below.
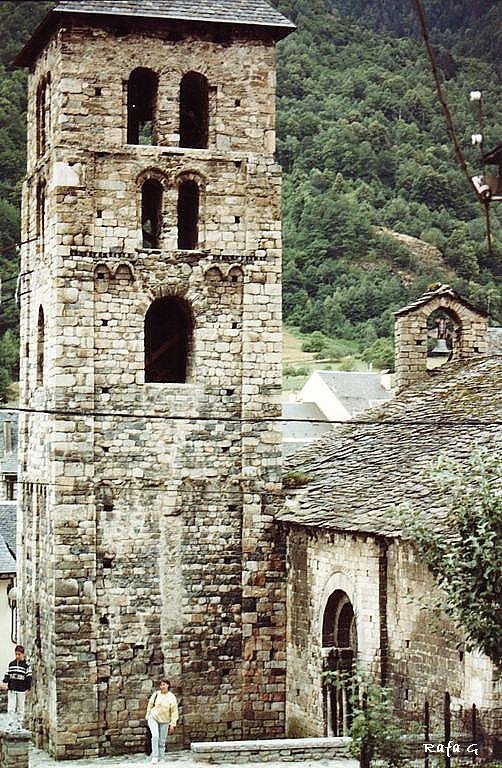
(168, 339)
(142, 108)
(187, 214)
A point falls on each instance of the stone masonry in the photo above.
(147, 544)
(420, 649)
(411, 332)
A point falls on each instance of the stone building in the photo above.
(442, 316)
(358, 594)
(151, 371)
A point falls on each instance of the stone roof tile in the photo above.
(7, 561)
(250, 12)
(8, 513)
(361, 473)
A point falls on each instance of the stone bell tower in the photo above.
(150, 372)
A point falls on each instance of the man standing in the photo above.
(17, 682)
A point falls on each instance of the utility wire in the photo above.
(441, 97)
(440, 421)
(11, 246)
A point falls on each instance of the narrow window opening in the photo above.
(151, 213)
(40, 347)
(141, 106)
(98, 91)
(99, 214)
(188, 215)
(43, 114)
(237, 219)
(11, 487)
(40, 220)
(168, 336)
(237, 102)
(194, 111)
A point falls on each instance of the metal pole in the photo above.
(426, 732)
(474, 730)
(447, 728)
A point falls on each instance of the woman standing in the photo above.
(161, 716)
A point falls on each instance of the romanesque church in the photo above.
(153, 536)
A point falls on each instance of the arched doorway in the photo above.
(339, 642)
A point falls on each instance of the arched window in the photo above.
(43, 114)
(194, 111)
(168, 337)
(339, 639)
(141, 106)
(188, 215)
(151, 213)
(40, 213)
(339, 623)
(40, 347)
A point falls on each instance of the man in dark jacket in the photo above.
(17, 682)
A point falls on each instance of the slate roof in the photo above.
(7, 561)
(495, 340)
(442, 290)
(360, 473)
(248, 13)
(356, 390)
(8, 513)
(303, 423)
(228, 11)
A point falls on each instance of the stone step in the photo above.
(268, 750)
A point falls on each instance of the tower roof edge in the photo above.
(250, 14)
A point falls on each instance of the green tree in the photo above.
(465, 556)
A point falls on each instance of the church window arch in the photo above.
(43, 114)
(40, 210)
(168, 340)
(188, 214)
(339, 622)
(194, 111)
(40, 347)
(339, 641)
(151, 212)
(142, 89)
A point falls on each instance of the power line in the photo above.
(11, 246)
(442, 100)
(440, 421)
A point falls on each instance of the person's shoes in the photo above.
(155, 760)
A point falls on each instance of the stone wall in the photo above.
(146, 538)
(425, 654)
(317, 565)
(410, 335)
(272, 750)
(14, 748)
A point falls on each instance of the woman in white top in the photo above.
(161, 716)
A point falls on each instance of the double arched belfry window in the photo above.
(168, 340)
(187, 213)
(143, 108)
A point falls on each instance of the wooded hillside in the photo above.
(363, 144)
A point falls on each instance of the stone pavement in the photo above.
(182, 759)
(179, 759)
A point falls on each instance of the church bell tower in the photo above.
(151, 372)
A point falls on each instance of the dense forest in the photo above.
(364, 145)
(365, 154)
